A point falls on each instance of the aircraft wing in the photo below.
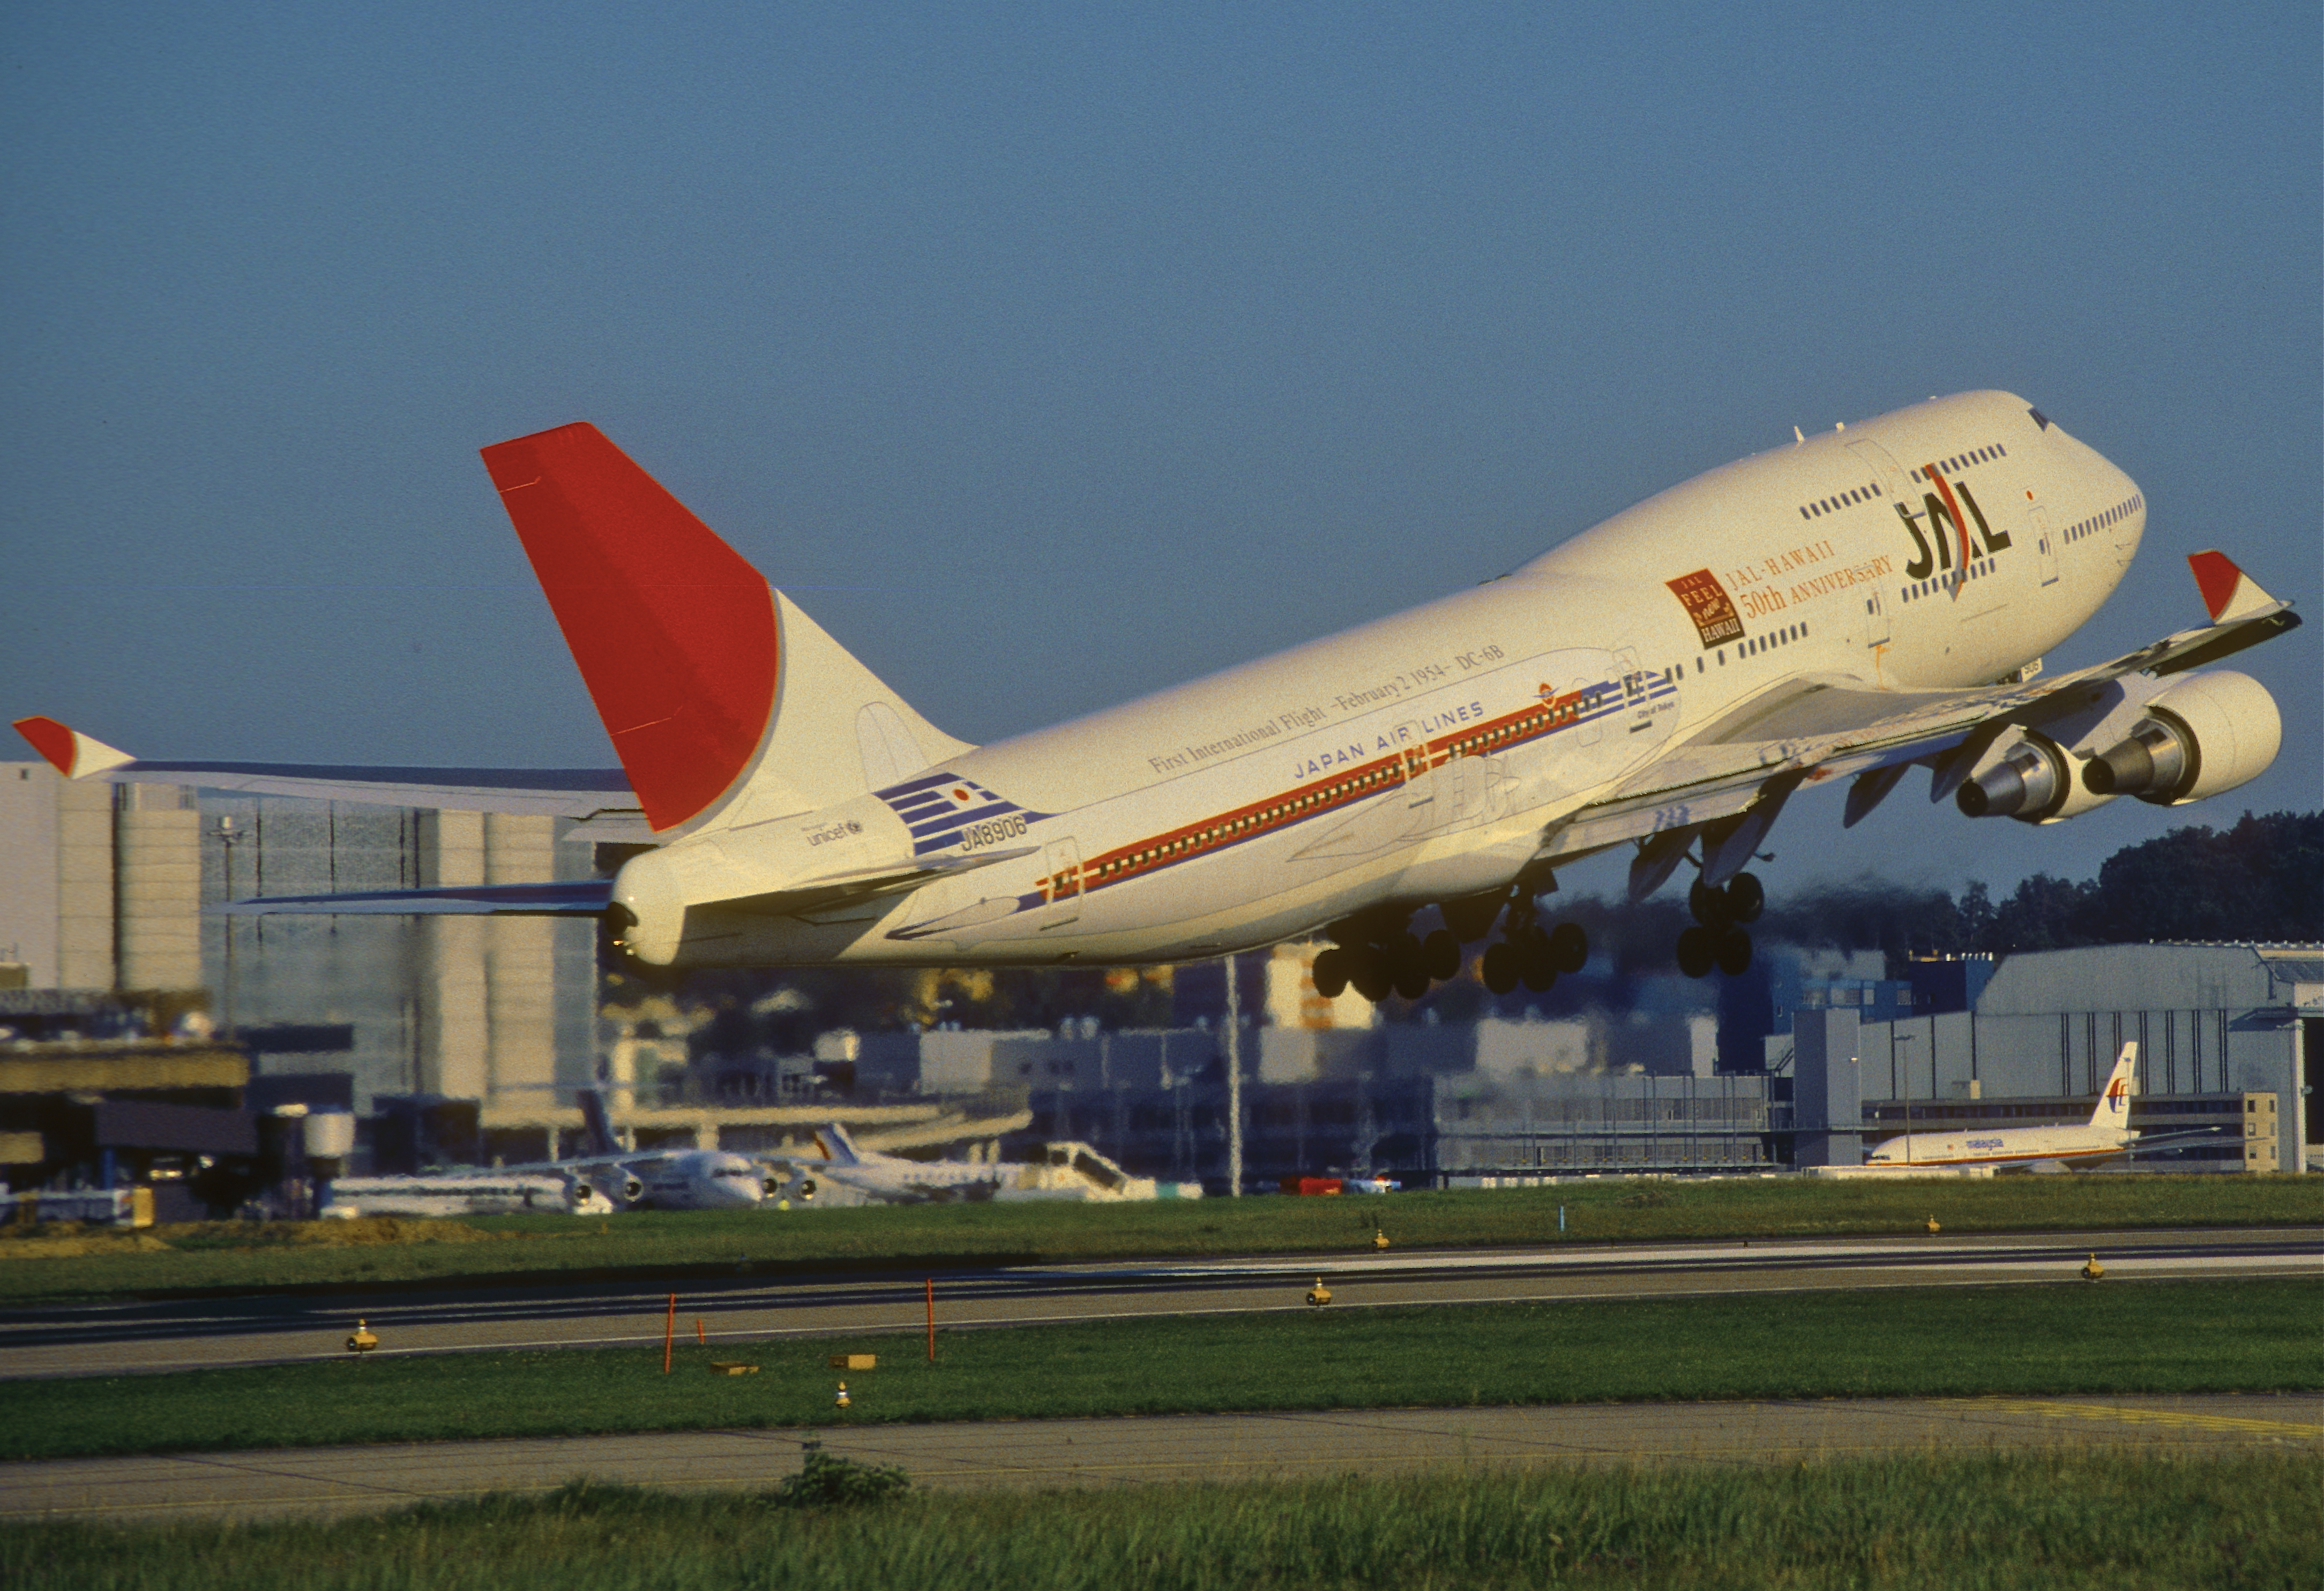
(2147, 1142)
(829, 889)
(1813, 728)
(600, 796)
(589, 897)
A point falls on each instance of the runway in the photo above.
(331, 1482)
(140, 1337)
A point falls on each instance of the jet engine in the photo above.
(648, 908)
(2204, 735)
(2033, 781)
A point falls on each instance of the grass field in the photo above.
(1996, 1522)
(2152, 1336)
(674, 1247)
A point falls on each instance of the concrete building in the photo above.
(100, 885)
(103, 887)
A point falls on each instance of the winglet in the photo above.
(2227, 592)
(71, 753)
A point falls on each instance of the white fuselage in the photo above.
(1999, 1147)
(701, 1179)
(1431, 753)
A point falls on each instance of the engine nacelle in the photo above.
(2033, 781)
(648, 908)
(2201, 736)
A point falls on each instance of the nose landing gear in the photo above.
(1718, 938)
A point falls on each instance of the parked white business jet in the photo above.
(2107, 1135)
(1848, 606)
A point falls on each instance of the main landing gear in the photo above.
(1377, 958)
(1718, 939)
(1376, 954)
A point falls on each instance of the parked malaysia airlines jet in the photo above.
(2107, 1135)
(1847, 607)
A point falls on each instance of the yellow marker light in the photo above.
(364, 1340)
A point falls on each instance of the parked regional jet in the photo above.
(2107, 1135)
(1849, 606)
(607, 1178)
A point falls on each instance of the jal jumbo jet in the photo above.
(1847, 607)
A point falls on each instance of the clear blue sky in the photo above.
(1051, 355)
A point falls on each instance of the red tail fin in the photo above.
(674, 632)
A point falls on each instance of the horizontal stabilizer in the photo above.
(600, 793)
(585, 897)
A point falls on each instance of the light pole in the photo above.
(229, 836)
(1234, 1083)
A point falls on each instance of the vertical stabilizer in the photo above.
(2113, 1111)
(837, 1146)
(712, 684)
(597, 1126)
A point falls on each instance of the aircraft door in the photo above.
(1885, 468)
(1412, 753)
(1875, 619)
(1061, 882)
(2046, 549)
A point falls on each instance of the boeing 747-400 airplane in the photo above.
(1845, 608)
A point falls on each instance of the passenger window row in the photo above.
(1977, 570)
(1840, 500)
(2112, 515)
(1961, 461)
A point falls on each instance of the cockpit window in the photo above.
(2040, 418)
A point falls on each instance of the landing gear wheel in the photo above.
(1370, 973)
(1407, 967)
(1569, 947)
(1535, 963)
(1332, 973)
(1709, 905)
(1501, 967)
(1734, 953)
(1744, 898)
(1698, 951)
(1440, 955)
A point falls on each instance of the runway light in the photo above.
(1319, 1294)
(1380, 1238)
(364, 1340)
(842, 1398)
(2093, 1271)
(1934, 1227)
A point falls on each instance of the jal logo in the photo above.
(1948, 511)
